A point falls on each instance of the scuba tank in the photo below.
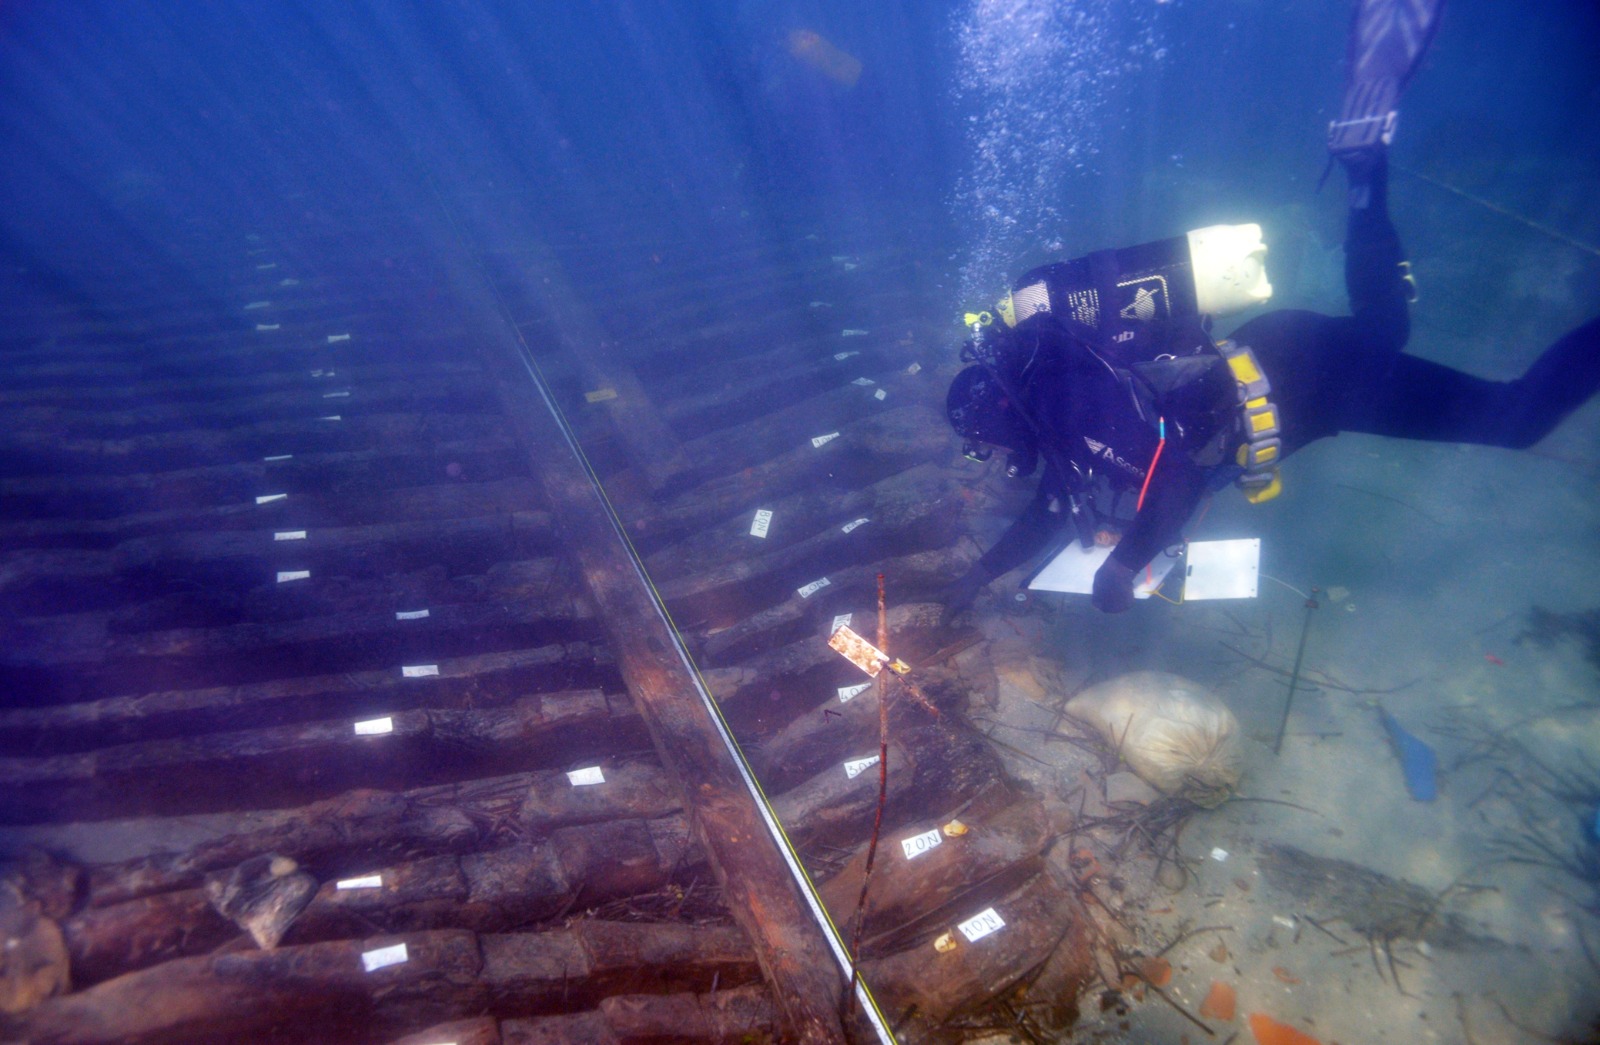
(1127, 301)
(1130, 305)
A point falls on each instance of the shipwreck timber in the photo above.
(315, 579)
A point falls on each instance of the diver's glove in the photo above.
(959, 595)
(1113, 587)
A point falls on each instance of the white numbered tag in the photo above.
(856, 766)
(916, 845)
(758, 525)
(383, 957)
(585, 777)
(981, 925)
(847, 527)
(846, 692)
(812, 588)
(823, 440)
(371, 881)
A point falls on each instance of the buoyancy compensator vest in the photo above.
(1142, 313)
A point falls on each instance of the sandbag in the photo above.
(1175, 733)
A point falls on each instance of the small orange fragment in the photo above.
(1156, 971)
(1269, 1031)
(1084, 864)
(1284, 974)
(1219, 1003)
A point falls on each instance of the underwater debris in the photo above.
(34, 964)
(263, 896)
(1174, 733)
(1220, 1003)
(1370, 902)
(1382, 909)
(1547, 628)
(1418, 762)
(1269, 1031)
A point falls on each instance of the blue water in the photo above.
(983, 134)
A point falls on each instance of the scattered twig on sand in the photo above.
(1392, 500)
(1320, 679)
(1188, 933)
(1523, 1027)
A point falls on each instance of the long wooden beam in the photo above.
(748, 865)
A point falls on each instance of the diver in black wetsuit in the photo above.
(1095, 416)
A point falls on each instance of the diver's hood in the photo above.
(981, 412)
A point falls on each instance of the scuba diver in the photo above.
(1103, 368)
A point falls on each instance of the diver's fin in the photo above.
(1387, 41)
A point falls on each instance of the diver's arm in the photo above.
(1030, 533)
(1025, 538)
(1174, 493)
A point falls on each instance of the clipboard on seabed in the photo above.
(1209, 570)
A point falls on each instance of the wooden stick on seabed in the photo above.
(1294, 676)
(883, 795)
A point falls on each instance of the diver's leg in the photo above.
(1374, 271)
(1387, 41)
(1413, 398)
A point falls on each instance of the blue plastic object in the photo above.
(1418, 762)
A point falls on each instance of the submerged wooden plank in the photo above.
(488, 891)
(312, 506)
(218, 772)
(755, 880)
(489, 678)
(391, 545)
(723, 1017)
(356, 831)
(360, 436)
(324, 989)
(348, 990)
